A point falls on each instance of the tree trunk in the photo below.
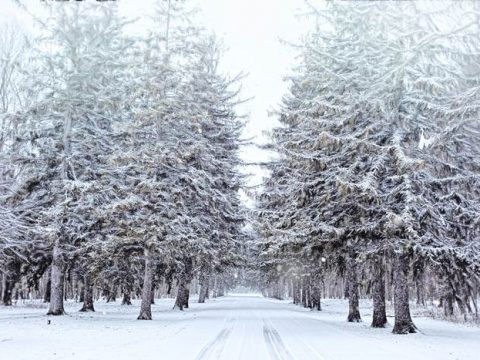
(379, 319)
(448, 305)
(7, 289)
(152, 301)
(180, 300)
(316, 296)
(184, 279)
(57, 288)
(186, 296)
(48, 287)
(215, 286)
(304, 298)
(403, 320)
(220, 287)
(207, 290)
(81, 297)
(112, 296)
(87, 294)
(57, 283)
(420, 287)
(48, 290)
(461, 305)
(309, 294)
(202, 294)
(345, 287)
(203, 290)
(146, 305)
(353, 295)
(169, 280)
(295, 294)
(126, 299)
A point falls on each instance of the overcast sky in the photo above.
(250, 30)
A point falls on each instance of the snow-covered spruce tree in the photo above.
(12, 227)
(79, 75)
(215, 207)
(13, 215)
(417, 93)
(325, 121)
(144, 212)
(177, 156)
(152, 151)
(455, 149)
(357, 90)
(427, 57)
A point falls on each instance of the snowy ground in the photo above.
(233, 327)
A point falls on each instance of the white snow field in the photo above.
(231, 327)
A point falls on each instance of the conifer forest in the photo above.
(295, 179)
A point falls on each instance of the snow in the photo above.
(425, 142)
(231, 327)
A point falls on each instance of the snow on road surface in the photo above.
(232, 327)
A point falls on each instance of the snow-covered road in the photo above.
(232, 327)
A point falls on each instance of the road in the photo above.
(231, 327)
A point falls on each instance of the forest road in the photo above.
(250, 331)
(254, 327)
(235, 327)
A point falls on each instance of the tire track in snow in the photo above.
(275, 345)
(214, 349)
(243, 345)
(306, 344)
(246, 342)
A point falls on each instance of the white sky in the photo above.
(250, 30)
